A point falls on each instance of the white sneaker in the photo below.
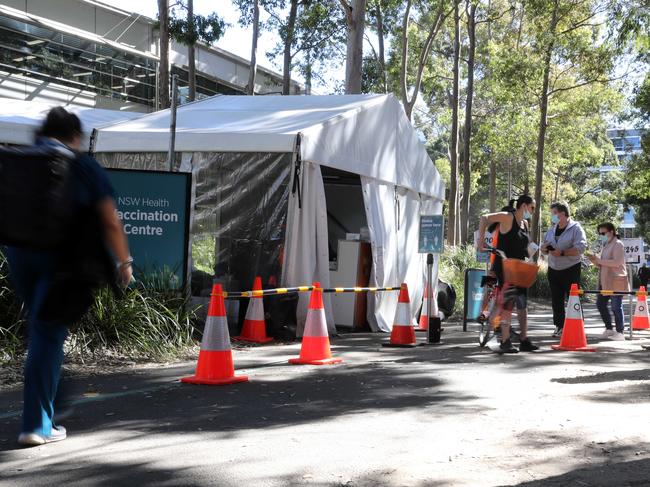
(618, 337)
(34, 439)
(607, 333)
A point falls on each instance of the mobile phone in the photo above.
(550, 247)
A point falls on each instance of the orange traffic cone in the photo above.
(403, 334)
(215, 365)
(254, 329)
(641, 319)
(315, 349)
(424, 319)
(573, 334)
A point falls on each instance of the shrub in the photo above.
(149, 322)
(11, 317)
(145, 323)
(453, 263)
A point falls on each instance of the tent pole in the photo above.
(171, 156)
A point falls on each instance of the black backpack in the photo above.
(36, 197)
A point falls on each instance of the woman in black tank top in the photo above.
(513, 242)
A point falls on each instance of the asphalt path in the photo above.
(451, 414)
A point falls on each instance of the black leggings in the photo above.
(560, 283)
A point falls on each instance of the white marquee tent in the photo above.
(366, 135)
(19, 119)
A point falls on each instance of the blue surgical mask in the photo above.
(555, 219)
(603, 238)
(527, 215)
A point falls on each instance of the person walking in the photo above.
(564, 244)
(513, 242)
(612, 276)
(56, 286)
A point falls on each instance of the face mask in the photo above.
(603, 238)
(555, 219)
(527, 215)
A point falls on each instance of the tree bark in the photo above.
(356, 20)
(543, 124)
(493, 185)
(288, 41)
(382, 52)
(453, 146)
(252, 74)
(163, 65)
(467, 167)
(191, 53)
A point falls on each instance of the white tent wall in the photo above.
(379, 200)
(393, 220)
(306, 257)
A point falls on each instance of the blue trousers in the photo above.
(31, 275)
(617, 309)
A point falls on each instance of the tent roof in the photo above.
(367, 135)
(19, 119)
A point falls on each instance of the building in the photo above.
(84, 52)
(627, 142)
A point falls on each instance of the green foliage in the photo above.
(11, 316)
(146, 323)
(208, 29)
(203, 252)
(453, 263)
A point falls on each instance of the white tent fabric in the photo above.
(19, 119)
(307, 256)
(367, 135)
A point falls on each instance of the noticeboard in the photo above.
(431, 234)
(154, 207)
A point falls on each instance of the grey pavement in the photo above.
(445, 415)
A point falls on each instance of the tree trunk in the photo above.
(403, 68)
(288, 41)
(493, 185)
(191, 60)
(163, 66)
(380, 41)
(543, 124)
(256, 33)
(308, 74)
(467, 168)
(453, 149)
(354, 58)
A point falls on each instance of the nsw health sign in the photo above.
(154, 208)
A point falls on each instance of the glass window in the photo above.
(76, 62)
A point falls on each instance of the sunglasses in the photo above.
(602, 233)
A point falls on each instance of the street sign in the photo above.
(634, 253)
(432, 234)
